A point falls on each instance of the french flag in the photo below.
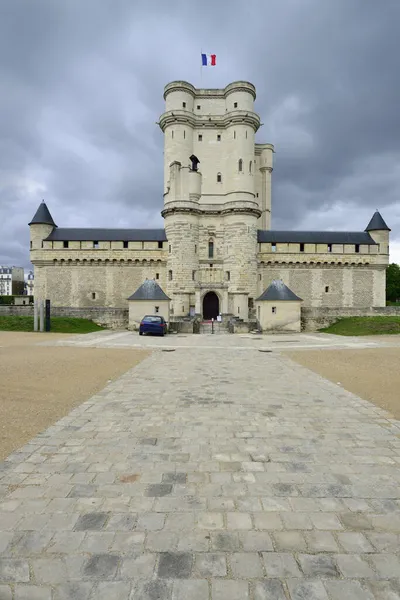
(208, 60)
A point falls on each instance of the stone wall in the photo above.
(115, 318)
(329, 286)
(314, 318)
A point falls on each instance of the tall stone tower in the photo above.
(212, 213)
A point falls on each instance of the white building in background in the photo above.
(11, 281)
(30, 284)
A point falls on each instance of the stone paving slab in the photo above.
(206, 475)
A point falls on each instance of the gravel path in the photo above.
(42, 384)
(373, 374)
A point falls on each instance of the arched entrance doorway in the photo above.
(210, 306)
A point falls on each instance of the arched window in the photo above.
(219, 178)
(250, 165)
(210, 249)
(240, 165)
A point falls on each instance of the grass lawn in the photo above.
(364, 326)
(58, 324)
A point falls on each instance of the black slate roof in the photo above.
(278, 291)
(149, 290)
(316, 237)
(107, 235)
(377, 223)
(42, 216)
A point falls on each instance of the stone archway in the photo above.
(210, 306)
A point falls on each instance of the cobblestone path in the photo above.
(206, 475)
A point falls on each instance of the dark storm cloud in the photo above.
(81, 90)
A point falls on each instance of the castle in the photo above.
(217, 253)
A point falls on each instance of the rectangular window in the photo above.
(157, 275)
(160, 245)
(183, 104)
(195, 248)
(200, 137)
(329, 247)
(170, 275)
(65, 244)
(228, 275)
(301, 247)
(274, 310)
(259, 277)
(218, 138)
(273, 247)
(193, 275)
(211, 265)
(198, 107)
(156, 309)
(95, 244)
(93, 295)
(235, 105)
(357, 248)
(326, 289)
(126, 244)
(169, 248)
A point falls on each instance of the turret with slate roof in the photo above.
(149, 290)
(41, 226)
(277, 291)
(379, 232)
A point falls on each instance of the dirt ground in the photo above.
(371, 373)
(41, 384)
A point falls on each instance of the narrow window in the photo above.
(126, 244)
(240, 165)
(210, 249)
(184, 134)
(211, 266)
(273, 247)
(172, 134)
(274, 310)
(95, 244)
(65, 244)
(93, 295)
(218, 137)
(257, 194)
(157, 275)
(31, 245)
(301, 247)
(228, 275)
(156, 309)
(198, 107)
(160, 245)
(250, 165)
(193, 275)
(259, 277)
(234, 135)
(170, 275)
(246, 135)
(235, 105)
(326, 289)
(219, 178)
(329, 247)
(169, 248)
(142, 245)
(357, 248)
(200, 137)
(183, 104)
(238, 310)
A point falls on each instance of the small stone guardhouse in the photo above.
(278, 308)
(149, 299)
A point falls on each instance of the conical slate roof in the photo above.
(278, 291)
(42, 216)
(377, 223)
(149, 290)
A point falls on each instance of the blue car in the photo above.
(153, 324)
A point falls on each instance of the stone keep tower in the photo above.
(212, 214)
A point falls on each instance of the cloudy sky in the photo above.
(81, 85)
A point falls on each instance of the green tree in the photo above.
(393, 283)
